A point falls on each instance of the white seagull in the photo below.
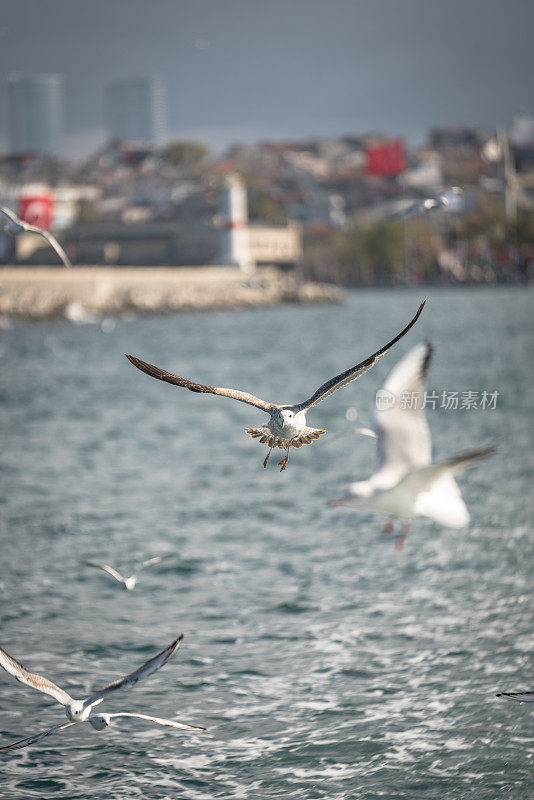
(82, 710)
(126, 583)
(405, 482)
(522, 697)
(12, 225)
(451, 200)
(287, 424)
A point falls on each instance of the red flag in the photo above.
(37, 208)
(386, 159)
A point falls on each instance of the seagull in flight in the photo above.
(450, 200)
(82, 710)
(12, 225)
(406, 483)
(286, 427)
(126, 583)
(522, 697)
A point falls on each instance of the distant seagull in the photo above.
(522, 697)
(11, 224)
(450, 200)
(126, 583)
(81, 710)
(405, 482)
(287, 425)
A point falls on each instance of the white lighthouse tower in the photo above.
(235, 248)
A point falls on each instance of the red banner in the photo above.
(386, 159)
(37, 209)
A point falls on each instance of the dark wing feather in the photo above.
(38, 736)
(146, 669)
(169, 377)
(351, 374)
(522, 697)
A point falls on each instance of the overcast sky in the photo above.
(248, 70)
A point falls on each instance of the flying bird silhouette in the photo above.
(405, 482)
(521, 697)
(82, 710)
(286, 427)
(12, 225)
(130, 582)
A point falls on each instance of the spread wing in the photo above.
(105, 568)
(38, 736)
(169, 377)
(522, 697)
(12, 224)
(421, 479)
(149, 667)
(150, 562)
(403, 435)
(351, 374)
(53, 242)
(169, 722)
(33, 679)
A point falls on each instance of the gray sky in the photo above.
(247, 70)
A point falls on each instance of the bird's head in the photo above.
(76, 710)
(285, 415)
(99, 721)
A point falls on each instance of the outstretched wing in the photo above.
(351, 374)
(169, 722)
(53, 242)
(436, 492)
(105, 568)
(150, 666)
(150, 562)
(403, 435)
(38, 736)
(12, 225)
(24, 675)
(169, 377)
(420, 480)
(522, 697)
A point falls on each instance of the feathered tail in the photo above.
(265, 436)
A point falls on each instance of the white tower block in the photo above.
(235, 248)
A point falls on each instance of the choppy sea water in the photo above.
(324, 663)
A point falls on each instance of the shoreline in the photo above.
(39, 293)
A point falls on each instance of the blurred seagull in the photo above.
(450, 200)
(82, 710)
(126, 583)
(405, 482)
(522, 697)
(12, 225)
(287, 424)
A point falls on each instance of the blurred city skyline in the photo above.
(236, 71)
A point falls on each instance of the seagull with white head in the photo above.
(82, 710)
(129, 583)
(287, 426)
(406, 483)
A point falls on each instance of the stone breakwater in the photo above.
(46, 292)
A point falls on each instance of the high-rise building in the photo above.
(135, 109)
(35, 113)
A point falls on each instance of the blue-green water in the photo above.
(324, 663)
